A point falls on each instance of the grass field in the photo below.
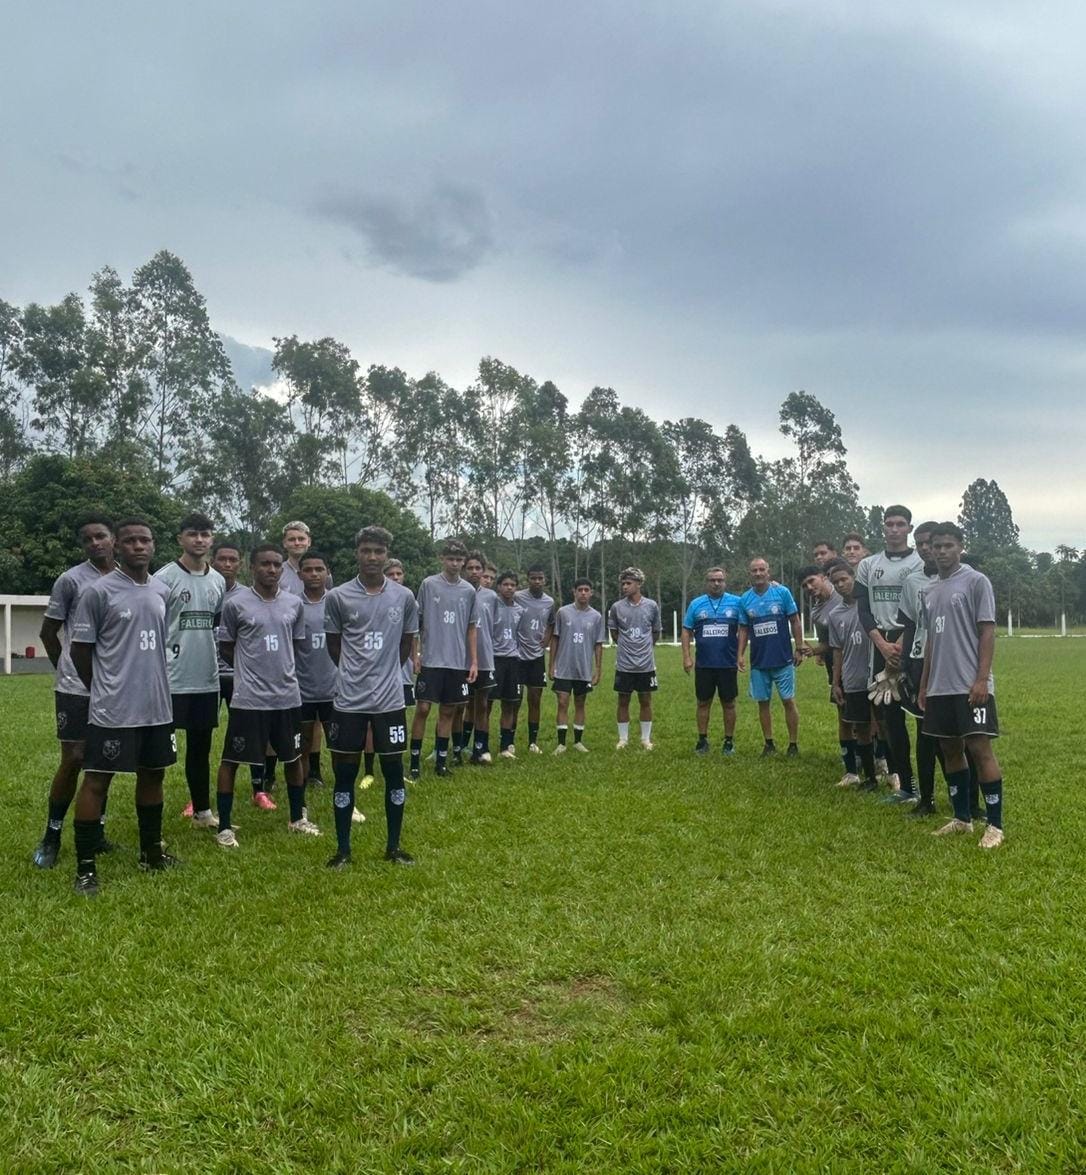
(601, 963)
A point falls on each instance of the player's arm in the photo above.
(908, 629)
(50, 638)
(83, 660)
(226, 651)
(333, 642)
(597, 671)
(684, 640)
(802, 649)
(552, 650)
(473, 655)
(744, 633)
(838, 689)
(891, 652)
(978, 695)
(407, 646)
(922, 692)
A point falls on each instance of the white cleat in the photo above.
(484, 759)
(357, 817)
(560, 749)
(534, 749)
(365, 782)
(226, 839)
(509, 753)
(580, 747)
(621, 745)
(992, 838)
(646, 744)
(206, 819)
(304, 826)
(954, 827)
(849, 780)
(882, 769)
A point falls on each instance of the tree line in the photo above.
(126, 394)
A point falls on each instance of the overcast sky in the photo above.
(704, 205)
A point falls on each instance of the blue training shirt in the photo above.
(767, 616)
(715, 625)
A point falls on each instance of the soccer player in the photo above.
(816, 583)
(448, 618)
(507, 616)
(475, 734)
(769, 623)
(394, 571)
(533, 639)
(262, 628)
(851, 659)
(371, 623)
(853, 549)
(118, 648)
(712, 622)
(226, 559)
(956, 687)
(879, 579)
(71, 697)
(196, 595)
(824, 553)
(635, 627)
(576, 649)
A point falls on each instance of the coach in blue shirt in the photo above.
(769, 622)
(713, 622)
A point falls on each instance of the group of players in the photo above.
(139, 656)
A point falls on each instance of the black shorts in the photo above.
(347, 732)
(226, 689)
(857, 707)
(408, 694)
(71, 712)
(634, 683)
(484, 681)
(447, 687)
(196, 711)
(952, 716)
(250, 732)
(507, 679)
(129, 748)
(570, 685)
(709, 682)
(533, 673)
(317, 711)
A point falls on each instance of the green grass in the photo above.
(601, 963)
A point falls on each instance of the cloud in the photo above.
(251, 365)
(438, 237)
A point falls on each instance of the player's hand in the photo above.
(596, 678)
(838, 695)
(797, 657)
(688, 664)
(978, 694)
(416, 663)
(921, 698)
(473, 672)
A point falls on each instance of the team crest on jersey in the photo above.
(185, 596)
(957, 600)
(239, 744)
(353, 616)
(394, 614)
(111, 748)
(775, 609)
(126, 614)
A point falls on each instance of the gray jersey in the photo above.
(579, 631)
(849, 642)
(532, 629)
(884, 576)
(225, 668)
(506, 620)
(63, 600)
(371, 627)
(264, 632)
(954, 607)
(316, 670)
(486, 603)
(635, 625)
(192, 652)
(911, 607)
(820, 611)
(446, 610)
(126, 623)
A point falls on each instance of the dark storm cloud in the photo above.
(438, 237)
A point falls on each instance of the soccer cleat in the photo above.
(849, 780)
(483, 759)
(509, 753)
(186, 811)
(86, 884)
(793, 751)
(621, 745)
(534, 749)
(646, 744)
(45, 855)
(560, 749)
(399, 857)
(727, 749)
(339, 861)
(955, 827)
(226, 839)
(869, 785)
(581, 748)
(158, 863)
(768, 751)
(702, 747)
(205, 820)
(900, 797)
(923, 808)
(882, 768)
(457, 759)
(413, 773)
(442, 768)
(365, 782)
(263, 801)
(358, 817)
(304, 826)
(992, 838)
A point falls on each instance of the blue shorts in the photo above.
(762, 682)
